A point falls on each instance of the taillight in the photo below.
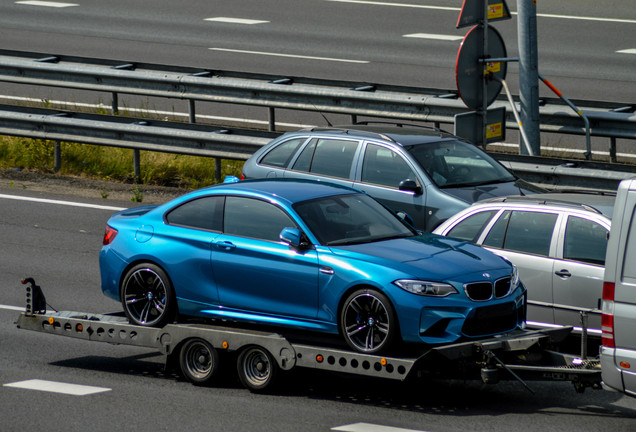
(607, 318)
(109, 235)
(242, 176)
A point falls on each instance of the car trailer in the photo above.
(195, 347)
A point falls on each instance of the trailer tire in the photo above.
(257, 369)
(199, 361)
(367, 321)
(147, 296)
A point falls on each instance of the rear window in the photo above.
(281, 155)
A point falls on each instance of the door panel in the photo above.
(582, 289)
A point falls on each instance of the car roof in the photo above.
(290, 190)
(403, 135)
(595, 201)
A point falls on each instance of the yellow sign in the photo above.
(495, 11)
(493, 130)
(493, 67)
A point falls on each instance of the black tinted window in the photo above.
(254, 218)
(330, 157)
(204, 213)
(470, 228)
(529, 232)
(280, 155)
(585, 241)
(385, 167)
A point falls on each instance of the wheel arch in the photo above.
(368, 286)
(146, 260)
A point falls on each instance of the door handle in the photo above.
(226, 245)
(563, 273)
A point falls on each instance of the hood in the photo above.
(427, 256)
(471, 194)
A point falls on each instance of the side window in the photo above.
(384, 167)
(470, 228)
(330, 157)
(280, 155)
(529, 232)
(497, 233)
(248, 217)
(629, 269)
(585, 241)
(203, 213)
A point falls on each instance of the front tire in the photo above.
(367, 321)
(147, 296)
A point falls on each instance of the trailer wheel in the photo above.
(147, 296)
(257, 369)
(367, 321)
(199, 361)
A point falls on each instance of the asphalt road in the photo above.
(57, 244)
(586, 47)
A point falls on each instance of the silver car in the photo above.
(557, 241)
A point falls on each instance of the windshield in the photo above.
(351, 219)
(454, 163)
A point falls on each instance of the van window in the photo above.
(629, 269)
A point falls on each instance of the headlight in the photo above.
(514, 279)
(426, 288)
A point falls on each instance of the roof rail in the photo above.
(547, 201)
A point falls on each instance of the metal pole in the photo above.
(137, 164)
(529, 72)
(57, 156)
(114, 107)
(192, 111)
(272, 119)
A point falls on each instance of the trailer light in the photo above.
(320, 358)
(51, 320)
(225, 345)
(79, 328)
(625, 365)
(383, 361)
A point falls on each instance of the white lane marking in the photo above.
(289, 55)
(410, 5)
(627, 51)
(57, 387)
(236, 20)
(15, 308)
(59, 202)
(434, 36)
(368, 427)
(46, 4)
(377, 3)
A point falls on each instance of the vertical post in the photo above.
(484, 84)
(137, 164)
(217, 170)
(114, 107)
(57, 156)
(612, 149)
(529, 72)
(272, 119)
(192, 111)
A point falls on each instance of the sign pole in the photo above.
(529, 73)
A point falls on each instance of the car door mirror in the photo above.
(409, 185)
(294, 238)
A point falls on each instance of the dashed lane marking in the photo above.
(289, 55)
(236, 20)
(46, 4)
(368, 427)
(434, 36)
(57, 387)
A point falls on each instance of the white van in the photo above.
(618, 353)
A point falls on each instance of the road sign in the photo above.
(470, 72)
(470, 126)
(472, 12)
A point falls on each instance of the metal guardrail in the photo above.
(240, 144)
(350, 98)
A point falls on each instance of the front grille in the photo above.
(491, 319)
(482, 291)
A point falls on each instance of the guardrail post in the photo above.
(137, 164)
(217, 170)
(272, 119)
(192, 111)
(612, 149)
(57, 156)
(114, 107)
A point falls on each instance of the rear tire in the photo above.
(199, 361)
(147, 296)
(257, 369)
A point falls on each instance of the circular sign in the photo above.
(469, 72)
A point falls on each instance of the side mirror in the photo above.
(409, 185)
(293, 237)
